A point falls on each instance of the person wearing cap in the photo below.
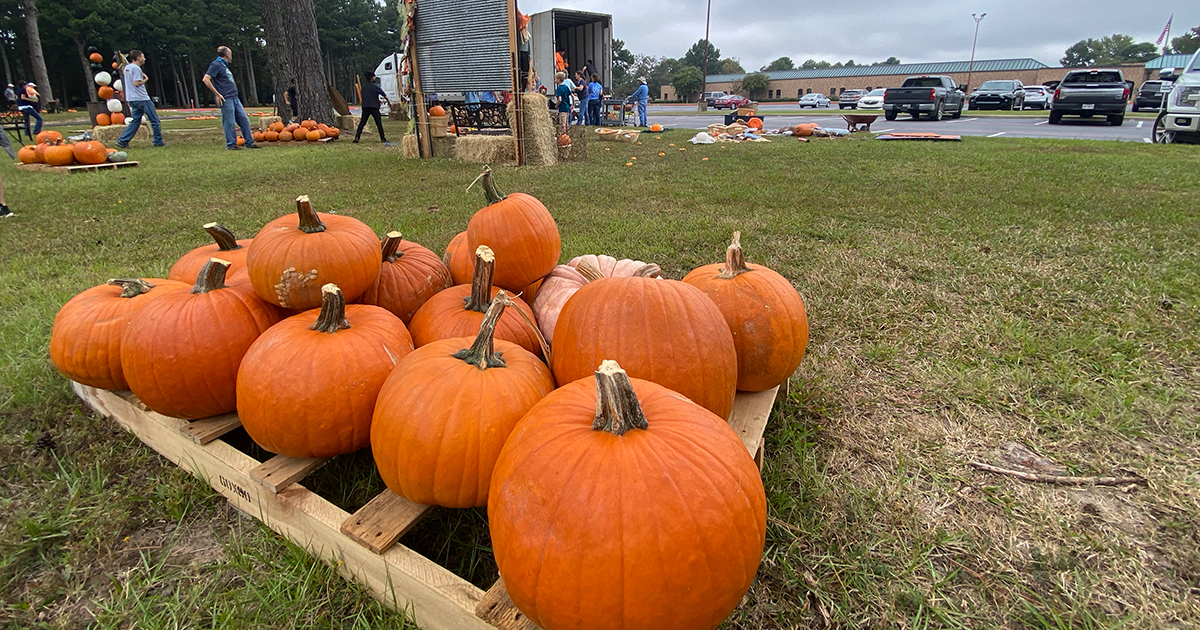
(219, 79)
(641, 95)
(10, 94)
(139, 101)
(29, 105)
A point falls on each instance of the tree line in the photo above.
(333, 41)
(1116, 49)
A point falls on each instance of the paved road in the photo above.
(1134, 130)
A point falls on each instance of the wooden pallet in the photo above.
(78, 168)
(363, 546)
(266, 143)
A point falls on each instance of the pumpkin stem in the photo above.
(588, 271)
(735, 260)
(391, 246)
(617, 407)
(309, 221)
(333, 311)
(211, 276)
(649, 271)
(225, 239)
(131, 287)
(481, 282)
(489, 187)
(482, 353)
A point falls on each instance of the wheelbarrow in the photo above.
(859, 122)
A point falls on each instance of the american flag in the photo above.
(1166, 29)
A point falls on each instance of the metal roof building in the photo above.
(943, 67)
(1169, 61)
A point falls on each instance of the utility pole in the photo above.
(704, 81)
(971, 65)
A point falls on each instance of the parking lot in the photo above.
(992, 126)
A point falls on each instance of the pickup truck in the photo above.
(933, 95)
(1089, 93)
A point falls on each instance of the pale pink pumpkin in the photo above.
(566, 279)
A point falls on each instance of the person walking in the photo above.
(641, 96)
(581, 92)
(563, 93)
(370, 107)
(139, 101)
(289, 98)
(4, 211)
(219, 79)
(595, 92)
(28, 104)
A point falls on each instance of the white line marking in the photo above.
(997, 135)
(1140, 123)
(961, 120)
(1044, 122)
(1147, 140)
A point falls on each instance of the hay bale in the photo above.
(444, 146)
(346, 123)
(409, 147)
(487, 149)
(194, 136)
(540, 141)
(264, 122)
(110, 133)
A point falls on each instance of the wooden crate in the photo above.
(362, 546)
(78, 168)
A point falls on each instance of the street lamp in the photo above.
(704, 70)
(971, 65)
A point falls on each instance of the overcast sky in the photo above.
(873, 30)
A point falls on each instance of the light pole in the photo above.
(704, 81)
(971, 65)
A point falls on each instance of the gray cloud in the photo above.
(873, 30)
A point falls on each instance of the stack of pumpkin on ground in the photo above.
(304, 131)
(52, 149)
(604, 457)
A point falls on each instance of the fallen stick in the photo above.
(1059, 479)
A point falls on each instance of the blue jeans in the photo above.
(232, 117)
(31, 112)
(583, 113)
(137, 109)
(641, 107)
(594, 112)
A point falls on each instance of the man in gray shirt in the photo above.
(139, 101)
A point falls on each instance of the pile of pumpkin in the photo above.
(584, 404)
(304, 131)
(52, 149)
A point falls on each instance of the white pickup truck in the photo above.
(1181, 120)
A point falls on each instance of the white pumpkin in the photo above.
(117, 85)
(566, 279)
(115, 105)
(103, 78)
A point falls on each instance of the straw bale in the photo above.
(348, 122)
(541, 146)
(409, 146)
(264, 122)
(487, 149)
(110, 133)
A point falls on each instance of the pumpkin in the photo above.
(664, 331)
(39, 152)
(334, 132)
(258, 136)
(300, 135)
(285, 136)
(321, 134)
(444, 413)
(59, 155)
(564, 140)
(531, 291)
(764, 312)
(437, 110)
(307, 387)
(313, 135)
(458, 259)
(103, 120)
(48, 136)
(521, 232)
(458, 311)
(118, 156)
(117, 118)
(181, 352)
(566, 279)
(754, 123)
(90, 152)
(656, 127)
(410, 275)
(292, 127)
(293, 256)
(271, 136)
(85, 343)
(95, 57)
(309, 124)
(27, 154)
(241, 141)
(804, 129)
(276, 126)
(225, 246)
(452, 129)
(105, 92)
(616, 499)
(114, 65)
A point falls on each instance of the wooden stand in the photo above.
(362, 546)
(78, 168)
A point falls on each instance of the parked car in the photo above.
(933, 95)
(872, 100)
(730, 101)
(1151, 94)
(710, 98)
(1088, 93)
(1038, 96)
(1181, 121)
(849, 98)
(814, 100)
(1006, 94)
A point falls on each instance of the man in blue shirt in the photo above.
(595, 91)
(370, 107)
(640, 96)
(139, 101)
(219, 79)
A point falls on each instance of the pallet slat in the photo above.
(381, 522)
(204, 431)
(78, 168)
(281, 471)
(751, 410)
(497, 608)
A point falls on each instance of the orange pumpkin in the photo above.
(258, 136)
(754, 123)
(656, 127)
(103, 120)
(59, 155)
(293, 256)
(444, 413)
(313, 135)
(300, 135)
(277, 126)
(104, 92)
(85, 343)
(452, 129)
(458, 311)
(321, 134)
(118, 118)
(27, 154)
(241, 141)
(660, 330)
(271, 136)
(285, 136)
(309, 124)
(410, 276)
(611, 482)
(458, 259)
(564, 140)
(334, 132)
(804, 129)
(39, 152)
(181, 353)
(437, 110)
(90, 152)
(290, 376)
(764, 312)
(95, 57)
(521, 232)
(48, 136)
(225, 246)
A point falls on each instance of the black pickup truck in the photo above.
(1089, 93)
(932, 95)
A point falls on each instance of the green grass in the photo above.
(960, 296)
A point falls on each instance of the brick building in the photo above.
(790, 84)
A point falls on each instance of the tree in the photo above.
(891, 61)
(730, 66)
(304, 48)
(813, 64)
(755, 82)
(36, 57)
(695, 55)
(687, 81)
(850, 64)
(277, 53)
(1187, 43)
(782, 63)
(1111, 50)
(623, 68)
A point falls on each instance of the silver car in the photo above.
(1038, 97)
(814, 100)
(872, 100)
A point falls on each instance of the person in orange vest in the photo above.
(560, 60)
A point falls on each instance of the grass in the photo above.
(961, 296)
